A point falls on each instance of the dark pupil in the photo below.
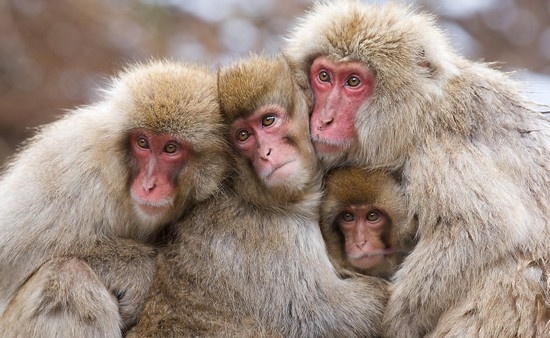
(268, 120)
(243, 135)
(170, 148)
(373, 216)
(142, 142)
(323, 76)
(353, 81)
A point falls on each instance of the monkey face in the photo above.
(263, 138)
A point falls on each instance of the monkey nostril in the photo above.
(325, 123)
(148, 187)
(268, 152)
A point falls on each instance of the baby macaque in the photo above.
(365, 221)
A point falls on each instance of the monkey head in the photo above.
(172, 136)
(268, 121)
(372, 73)
(364, 220)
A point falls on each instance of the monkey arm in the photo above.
(468, 222)
(127, 269)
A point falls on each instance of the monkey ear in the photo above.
(301, 78)
(426, 67)
(435, 59)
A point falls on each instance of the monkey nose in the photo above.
(326, 122)
(148, 186)
(265, 154)
(361, 245)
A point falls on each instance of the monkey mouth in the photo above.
(155, 208)
(152, 210)
(277, 167)
(384, 252)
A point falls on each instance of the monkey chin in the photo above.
(325, 148)
(366, 262)
(330, 152)
(153, 214)
(369, 260)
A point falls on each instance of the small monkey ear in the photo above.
(428, 69)
(300, 73)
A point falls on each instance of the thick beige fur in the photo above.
(67, 194)
(475, 165)
(253, 263)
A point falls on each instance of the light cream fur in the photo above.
(474, 161)
(253, 263)
(67, 191)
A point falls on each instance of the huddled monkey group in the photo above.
(365, 182)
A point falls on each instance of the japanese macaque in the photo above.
(253, 262)
(365, 222)
(84, 198)
(474, 161)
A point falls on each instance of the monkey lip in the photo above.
(154, 208)
(371, 259)
(278, 166)
(384, 252)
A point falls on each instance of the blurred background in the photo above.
(54, 55)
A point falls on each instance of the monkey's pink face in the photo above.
(365, 232)
(339, 89)
(263, 138)
(159, 159)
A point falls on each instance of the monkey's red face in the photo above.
(264, 139)
(340, 89)
(159, 160)
(365, 230)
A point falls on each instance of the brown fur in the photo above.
(475, 163)
(67, 193)
(252, 263)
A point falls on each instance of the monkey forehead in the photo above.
(169, 97)
(356, 185)
(370, 33)
(252, 83)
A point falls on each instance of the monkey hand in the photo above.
(127, 269)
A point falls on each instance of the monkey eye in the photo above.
(323, 76)
(373, 216)
(353, 81)
(170, 148)
(242, 135)
(142, 142)
(268, 120)
(348, 217)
